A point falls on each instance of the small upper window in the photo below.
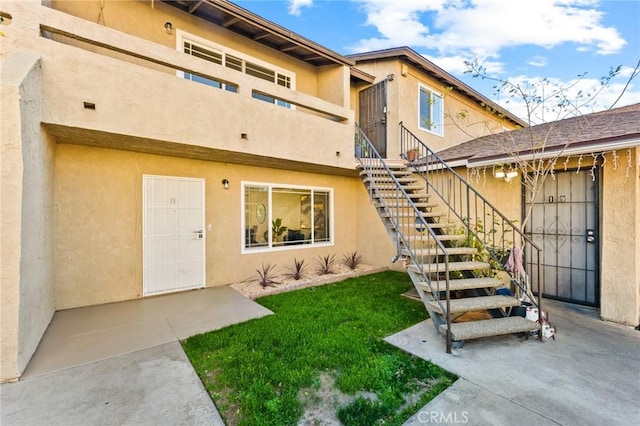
(431, 111)
(220, 55)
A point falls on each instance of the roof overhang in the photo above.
(414, 58)
(357, 75)
(241, 21)
(586, 148)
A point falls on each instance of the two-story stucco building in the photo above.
(149, 146)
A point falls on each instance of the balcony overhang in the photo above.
(260, 30)
(100, 139)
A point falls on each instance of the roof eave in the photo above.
(439, 74)
(613, 144)
(272, 28)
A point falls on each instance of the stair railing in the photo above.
(409, 226)
(481, 221)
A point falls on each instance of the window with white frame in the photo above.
(277, 216)
(204, 49)
(431, 114)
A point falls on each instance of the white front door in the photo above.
(173, 252)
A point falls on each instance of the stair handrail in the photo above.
(427, 163)
(367, 156)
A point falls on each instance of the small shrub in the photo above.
(352, 260)
(326, 265)
(266, 276)
(297, 271)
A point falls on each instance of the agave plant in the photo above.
(266, 275)
(297, 270)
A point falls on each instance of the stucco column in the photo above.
(620, 286)
(26, 194)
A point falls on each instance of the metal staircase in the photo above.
(438, 224)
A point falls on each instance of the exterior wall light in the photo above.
(500, 173)
(168, 27)
(225, 183)
(510, 175)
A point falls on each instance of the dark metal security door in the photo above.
(564, 222)
(373, 115)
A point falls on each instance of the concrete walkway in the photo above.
(590, 375)
(122, 363)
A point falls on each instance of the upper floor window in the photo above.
(204, 49)
(282, 216)
(431, 114)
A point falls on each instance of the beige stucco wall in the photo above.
(146, 19)
(144, 103)
(403, 101)
(98, 220)
(26, 298)
(620, 250)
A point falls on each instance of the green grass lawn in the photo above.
(256, 372)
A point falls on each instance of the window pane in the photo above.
(203, 53)
(203, 80)
(321, 218)
(233, 62)
(296, 216)
(256, 208)
(436, 113)
(287, 206)
(262, 97)
(284, 80)
(260, 72)
(425, 109)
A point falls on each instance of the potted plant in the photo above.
(412, 154)
(277, 229)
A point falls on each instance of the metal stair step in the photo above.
(385, 172)
(392, 187)
(372, 164)
(413, 196)
(412, 214)
(474, 304)
(462, 284)
(432, 225)
(491, 327)
(390, 180)
(423, 252)
(453, 266)
(420, 205)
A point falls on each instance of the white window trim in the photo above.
(440, 128)
(182, 36)
(269, 218)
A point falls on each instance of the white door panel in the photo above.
(173, 237)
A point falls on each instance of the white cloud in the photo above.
(456, 64)
(585, 95)
(537, 61)
(296, 5)
(484, 27)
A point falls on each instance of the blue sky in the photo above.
(516, 40)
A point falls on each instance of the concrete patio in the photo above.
(590, 375)
(122, 363)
